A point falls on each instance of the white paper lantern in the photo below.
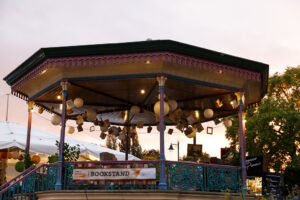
(91, 114)
(227, 122)
(70, 129)
(173, 104)
(78, 102)
(135, 110)
(208, 113)
(55, 120)
(157, 108)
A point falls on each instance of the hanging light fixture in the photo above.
(227, 122)
(219, 103)
(197, 114)
(91, 114)
(70, 129)
(157, 108)
(135, 110)
(234, 104)
(208, 113)
(78, 102)
(55, 120)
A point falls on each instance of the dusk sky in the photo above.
(266, 31)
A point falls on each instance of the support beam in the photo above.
(30, 107)
(162, 180)
(59, 183)
(240, 97)
(102, 93)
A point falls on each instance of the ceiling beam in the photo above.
(101, 93)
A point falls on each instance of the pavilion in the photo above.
(183, 85)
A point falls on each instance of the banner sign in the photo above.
(254, 166)
(114, 174)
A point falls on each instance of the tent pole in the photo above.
(30, 107)
(59, 184)
(162, 180)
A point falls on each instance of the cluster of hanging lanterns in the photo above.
(187, 122)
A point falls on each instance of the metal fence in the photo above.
(179, 176)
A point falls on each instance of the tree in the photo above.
(133, 143)
(111, 142)
(70, 153)
(151, 154)
(273, 129)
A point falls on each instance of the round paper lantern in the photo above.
(20, 166)
(70, 129)
(208, 113)
(36, 159)
(157, 108)
(21, 157)
(15, 154)
(91, 114)
(55, 120)
(173, 104)
(135, 110)
(227, 122)
(78, 102)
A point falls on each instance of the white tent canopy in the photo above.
(43, 142)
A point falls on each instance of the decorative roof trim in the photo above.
(137, 58)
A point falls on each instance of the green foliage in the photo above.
(273, 129)
(111, 142)
(70, 153)
(136, 150)
(20, 166)
(152, 154)
(204, 158)
(133, 145)
(52, 158)
(27, 160)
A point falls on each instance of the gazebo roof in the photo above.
(135, 47)
(110, 76)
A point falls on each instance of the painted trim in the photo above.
(152, 57)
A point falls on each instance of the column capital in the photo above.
(64, 85)
(30, 105)
(240, 96)
(161, 79)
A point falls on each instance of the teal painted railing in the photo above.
(180, 176)
(202, 177)
(41, 178)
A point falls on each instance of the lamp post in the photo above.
(171, 149)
